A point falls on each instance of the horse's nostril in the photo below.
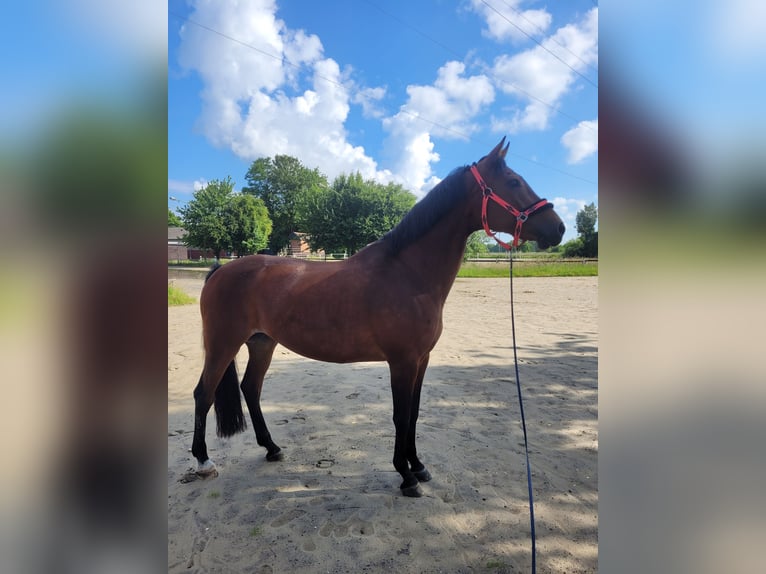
(562, 229)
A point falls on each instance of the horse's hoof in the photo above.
(207, 468)
(275, 456)
(413, 491)
(422, 475)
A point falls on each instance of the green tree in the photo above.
(573, 248)
(221, 220)
(585, 223)
(280, 183)
(205, 216)
(173, 219)
(249, 225)
(586, 245)
(476, 245)
(351, 213)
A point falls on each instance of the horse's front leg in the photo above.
(417, 467)
(403, 377)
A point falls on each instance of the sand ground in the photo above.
(333, 504)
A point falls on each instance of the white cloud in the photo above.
(581, 141)
(368, 98)
(272, 91)
(452, 101)
(505, 21)
(536, 76)
(258, 105)
(567, 209)
(445, 109)
(415, 165)
(179, 187)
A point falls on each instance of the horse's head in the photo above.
(510, 205)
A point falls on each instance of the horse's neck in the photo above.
(437, 256)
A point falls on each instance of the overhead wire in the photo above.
(552, 37)
(402, 109)
(286, 61)
(497, 80)
(536, 41)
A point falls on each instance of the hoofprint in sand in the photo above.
(333, 504)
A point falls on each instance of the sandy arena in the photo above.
(333, 505)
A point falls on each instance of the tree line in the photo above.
(586, 244)
(282, 196)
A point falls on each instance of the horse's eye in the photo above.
(514, 182)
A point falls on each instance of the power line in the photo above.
(414, 29)
(536, 41)
(402, 109)
(552, 37)
(497, 80)
(284, 60)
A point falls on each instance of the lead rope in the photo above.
(523, 424)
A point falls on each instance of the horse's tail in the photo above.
(228, 406)
(213, 269)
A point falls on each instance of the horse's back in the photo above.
(300, 304)
(251, 279)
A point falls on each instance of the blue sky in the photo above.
(401, 91)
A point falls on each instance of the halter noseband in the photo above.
(521, 216)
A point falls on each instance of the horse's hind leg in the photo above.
(217, 367)
(202, 404)
(261, 348)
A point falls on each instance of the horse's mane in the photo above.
(427, 212)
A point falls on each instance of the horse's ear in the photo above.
(499, 152)
(504, 150)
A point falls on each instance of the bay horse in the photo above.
(382, 304)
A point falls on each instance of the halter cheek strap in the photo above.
(521, 216)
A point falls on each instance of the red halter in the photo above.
(521, 216)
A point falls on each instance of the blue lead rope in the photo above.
(523, 426)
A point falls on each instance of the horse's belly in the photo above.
(327, 338)
(344, 329)
(331, 346)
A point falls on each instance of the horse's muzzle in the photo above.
(552, 239)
